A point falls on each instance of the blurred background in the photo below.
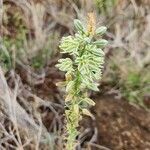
(30, 35)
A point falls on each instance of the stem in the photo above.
(72, 121)
(86, 61)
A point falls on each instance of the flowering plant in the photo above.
(83, 69)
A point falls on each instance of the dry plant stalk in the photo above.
(16, 113)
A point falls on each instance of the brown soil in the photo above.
(121, 126)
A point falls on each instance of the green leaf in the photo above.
(65, 64)
(78, 25)
(98, 52)
(89, 101)
(101, 30)
(101, 43)
(98, 74)
(98, 60)
(69, 86)
(69, 45)
(95, 51)
(93, 86)
(76, 109)
(88, 113)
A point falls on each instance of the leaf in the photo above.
(68, 76)
(93, 86)
(69, 45)
(61, 84)
(88, 113)
(89, 101)
(99, 60)
(78, 25)
(101, 43)
(69, 86)
(76, 109)
(101, 30)
(68, 98)
(65, 64)
(98, 52)
(98, 74)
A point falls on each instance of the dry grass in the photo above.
(18, 127)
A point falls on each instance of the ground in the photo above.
(122, 126)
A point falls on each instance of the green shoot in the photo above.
(83, 69)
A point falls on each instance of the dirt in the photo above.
(121, 126)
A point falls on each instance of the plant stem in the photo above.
(72, 121)
(82, 72)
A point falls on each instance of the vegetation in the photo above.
(82, 71)
(37, 114)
